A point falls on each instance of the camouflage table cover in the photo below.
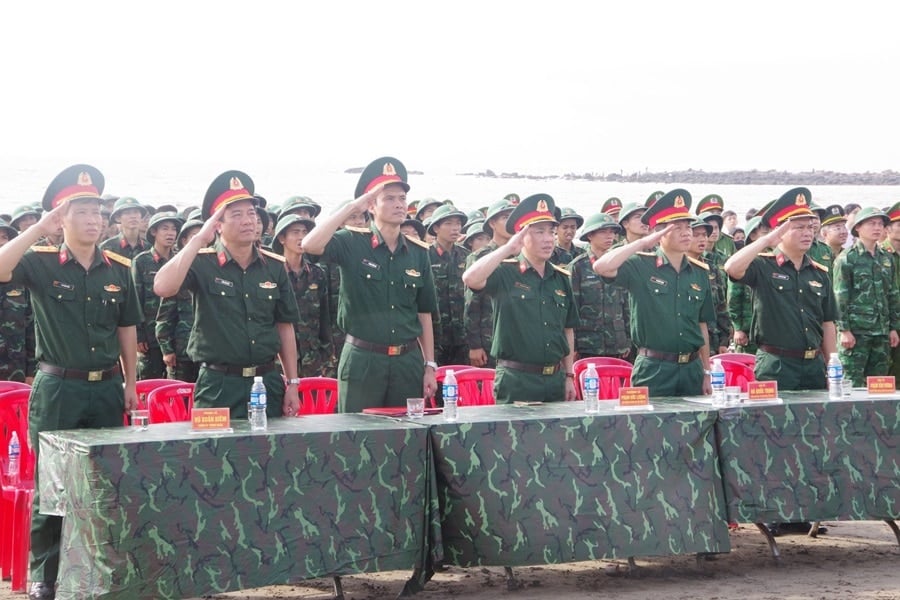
(549, 484)
(810, 459)
(168, 514)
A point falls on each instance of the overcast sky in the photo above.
(537, 87)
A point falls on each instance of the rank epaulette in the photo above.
(819, 266)
(45, 248)
(122, 260)
(357, 229)
(646, 253)
(206, 250)
(699, 263)
(560, 269)
(271, 254)
(417, 241)
(511, 260)
(767, 254)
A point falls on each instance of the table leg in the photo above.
(893, 525)
(773, 546)
(814, 530)
(512, 584)
(338, 588)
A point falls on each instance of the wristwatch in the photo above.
(432, 364)
(294, 381)
(570, 375)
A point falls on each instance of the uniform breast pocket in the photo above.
(658, 289)
(62, 294)
(266, 294)
(221, 289)
(783, 286)
(370, 273)
(412, 284)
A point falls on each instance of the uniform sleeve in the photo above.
(893, 297)
(841, 286)
(166, 319)
(831, 312)
(707, 309)
(337, 250)
(627, 273)
(751, 275)
(572, 317)
(142, 330)
(737, 298)
(132, 313)
(286, 310)
(426, 299)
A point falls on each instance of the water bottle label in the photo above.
(258, 399)
(835, 371)
(591, 384)
(716, 379)
(449, 391)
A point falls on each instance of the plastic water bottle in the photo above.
(450, 393)
(835, 378)
(15, 452)
(591, 389)
(717, 381)
(257, 410)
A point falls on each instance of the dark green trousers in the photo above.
(790, 373)
(511, 385)
(870, 356)
(151, 365)
(64, 404)
(215, 389)
(666, 378)
(369, 379)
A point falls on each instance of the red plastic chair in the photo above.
(171, 403)
(582, 363)
(318, 396)
(475, 386)
(9, 386)
(17, 495)
(737, 373)
(612, 377)
(439, 376)
(145, 386)
(739, 357)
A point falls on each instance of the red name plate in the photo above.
(762, 390)
(208, 419)
(634, 396)
(883, 384)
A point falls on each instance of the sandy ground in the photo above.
(853, 560)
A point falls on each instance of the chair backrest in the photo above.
(171, 403)
(9, 386)
(145, 386)
(475, 386)
(737, 373)
(439, 376)
(582, 363)
(14, 417)
(739, 357)
(612, 377)
(318, 395)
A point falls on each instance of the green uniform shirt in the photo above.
(77, 313)
(313, 329)
(602, 308)
(16, 332)
(667, 306)
(563, 257)
(143, 269)
(725, 245)
(479, 315)
(120, 246)
(789, 306)
(174, 321)
(821, 253)
(236, 311)
(867, 298)
(531, 312)
(446, 269)
(382, 293)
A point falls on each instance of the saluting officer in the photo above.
(387, 295)
(85, 311)
(244, 307)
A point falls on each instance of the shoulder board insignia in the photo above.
(511, 260)
(45, 248)
(265, 252)
(417, 242)
(699, 263)
(122, 260)
(653, 254)
(819, 266)
(767, 254)
(207, 250)
(365, 230)
(560, 269)
(14, 293)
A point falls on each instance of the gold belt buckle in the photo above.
(394, 350)
(684, 359)
(809, 354)
(548, 370)
(95, 376)
(248, 372)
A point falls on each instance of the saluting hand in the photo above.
(366, 202)
(51, 221)
(650, 241)
(207, 233)
(773, 238)
(516, 242)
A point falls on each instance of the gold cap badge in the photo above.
(542, 206)
(679, 202)
(236, 184)
(801, 200)
(84, 178)
(388, 169)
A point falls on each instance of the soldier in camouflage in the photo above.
(892, 246)
(720, 331)
(128, 213)
(448, 261)
(16, 325)
(602, 307)
(566, 251)
(868, 300)
(740, 300)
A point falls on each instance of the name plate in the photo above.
(881, 384)
(762, 390)
(210, 419)
(634, 396)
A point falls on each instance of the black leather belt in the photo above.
(98, 375)
(529, 368)
(397, 350)
(242, 371)
(804, 354)
(681, 359)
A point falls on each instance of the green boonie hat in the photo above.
(569, 213)
(495, 209)
(482, 210)
(793, 203)
(166, 208)
(596, 222)
(298, 202)
(834, 214)
(11, 231)
(474, 222)
(698, 222)
(186, 227)
(161, 217)
(420, 228)
(867, 213)
(673, 206)
(124, 204)
(282, 226)
(470, 237)
(652, 198)
(263, 216)
(752, 225)
(711, 216)
(386, 169)
(444, 212)
(709, 203)
(23, 211)
(512, 199)
(227, 188)
(423, 204)
(537, 208)
(612, 206)
(629, 209)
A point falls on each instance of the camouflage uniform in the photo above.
(895, 260)
(725, 245)
(603, 309)
(869, 304)
(719, 331)
(173, 331)
(334, 292)
(561, 257)
(16, 333)
(448, 323)
(120, 246)
(143, 270)
(315, 351)
(821, 253)
(740, 311)
(479, 312)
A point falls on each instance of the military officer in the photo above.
(448, 261)
(713, 203)
(820, 252)
(386, 298)
(611, 207)
(794, 309)
(162, 235)
(244, 306)
(671, 302)
(891, 245)
(566, 250)
(81, 360)
(534, 309)
(834, 231)
(867, 300)
(130, 242)
(603, 308)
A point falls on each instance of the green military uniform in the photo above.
(868, 301)
(120, 246)
(16, 333)
(562, 257)
(174, 322)
(337, 334)
(895, 263)
(143, 269)
(448, 322)
(479, 312)
(725, 245)
(603, 310)
(740, 311)
(821, 253)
